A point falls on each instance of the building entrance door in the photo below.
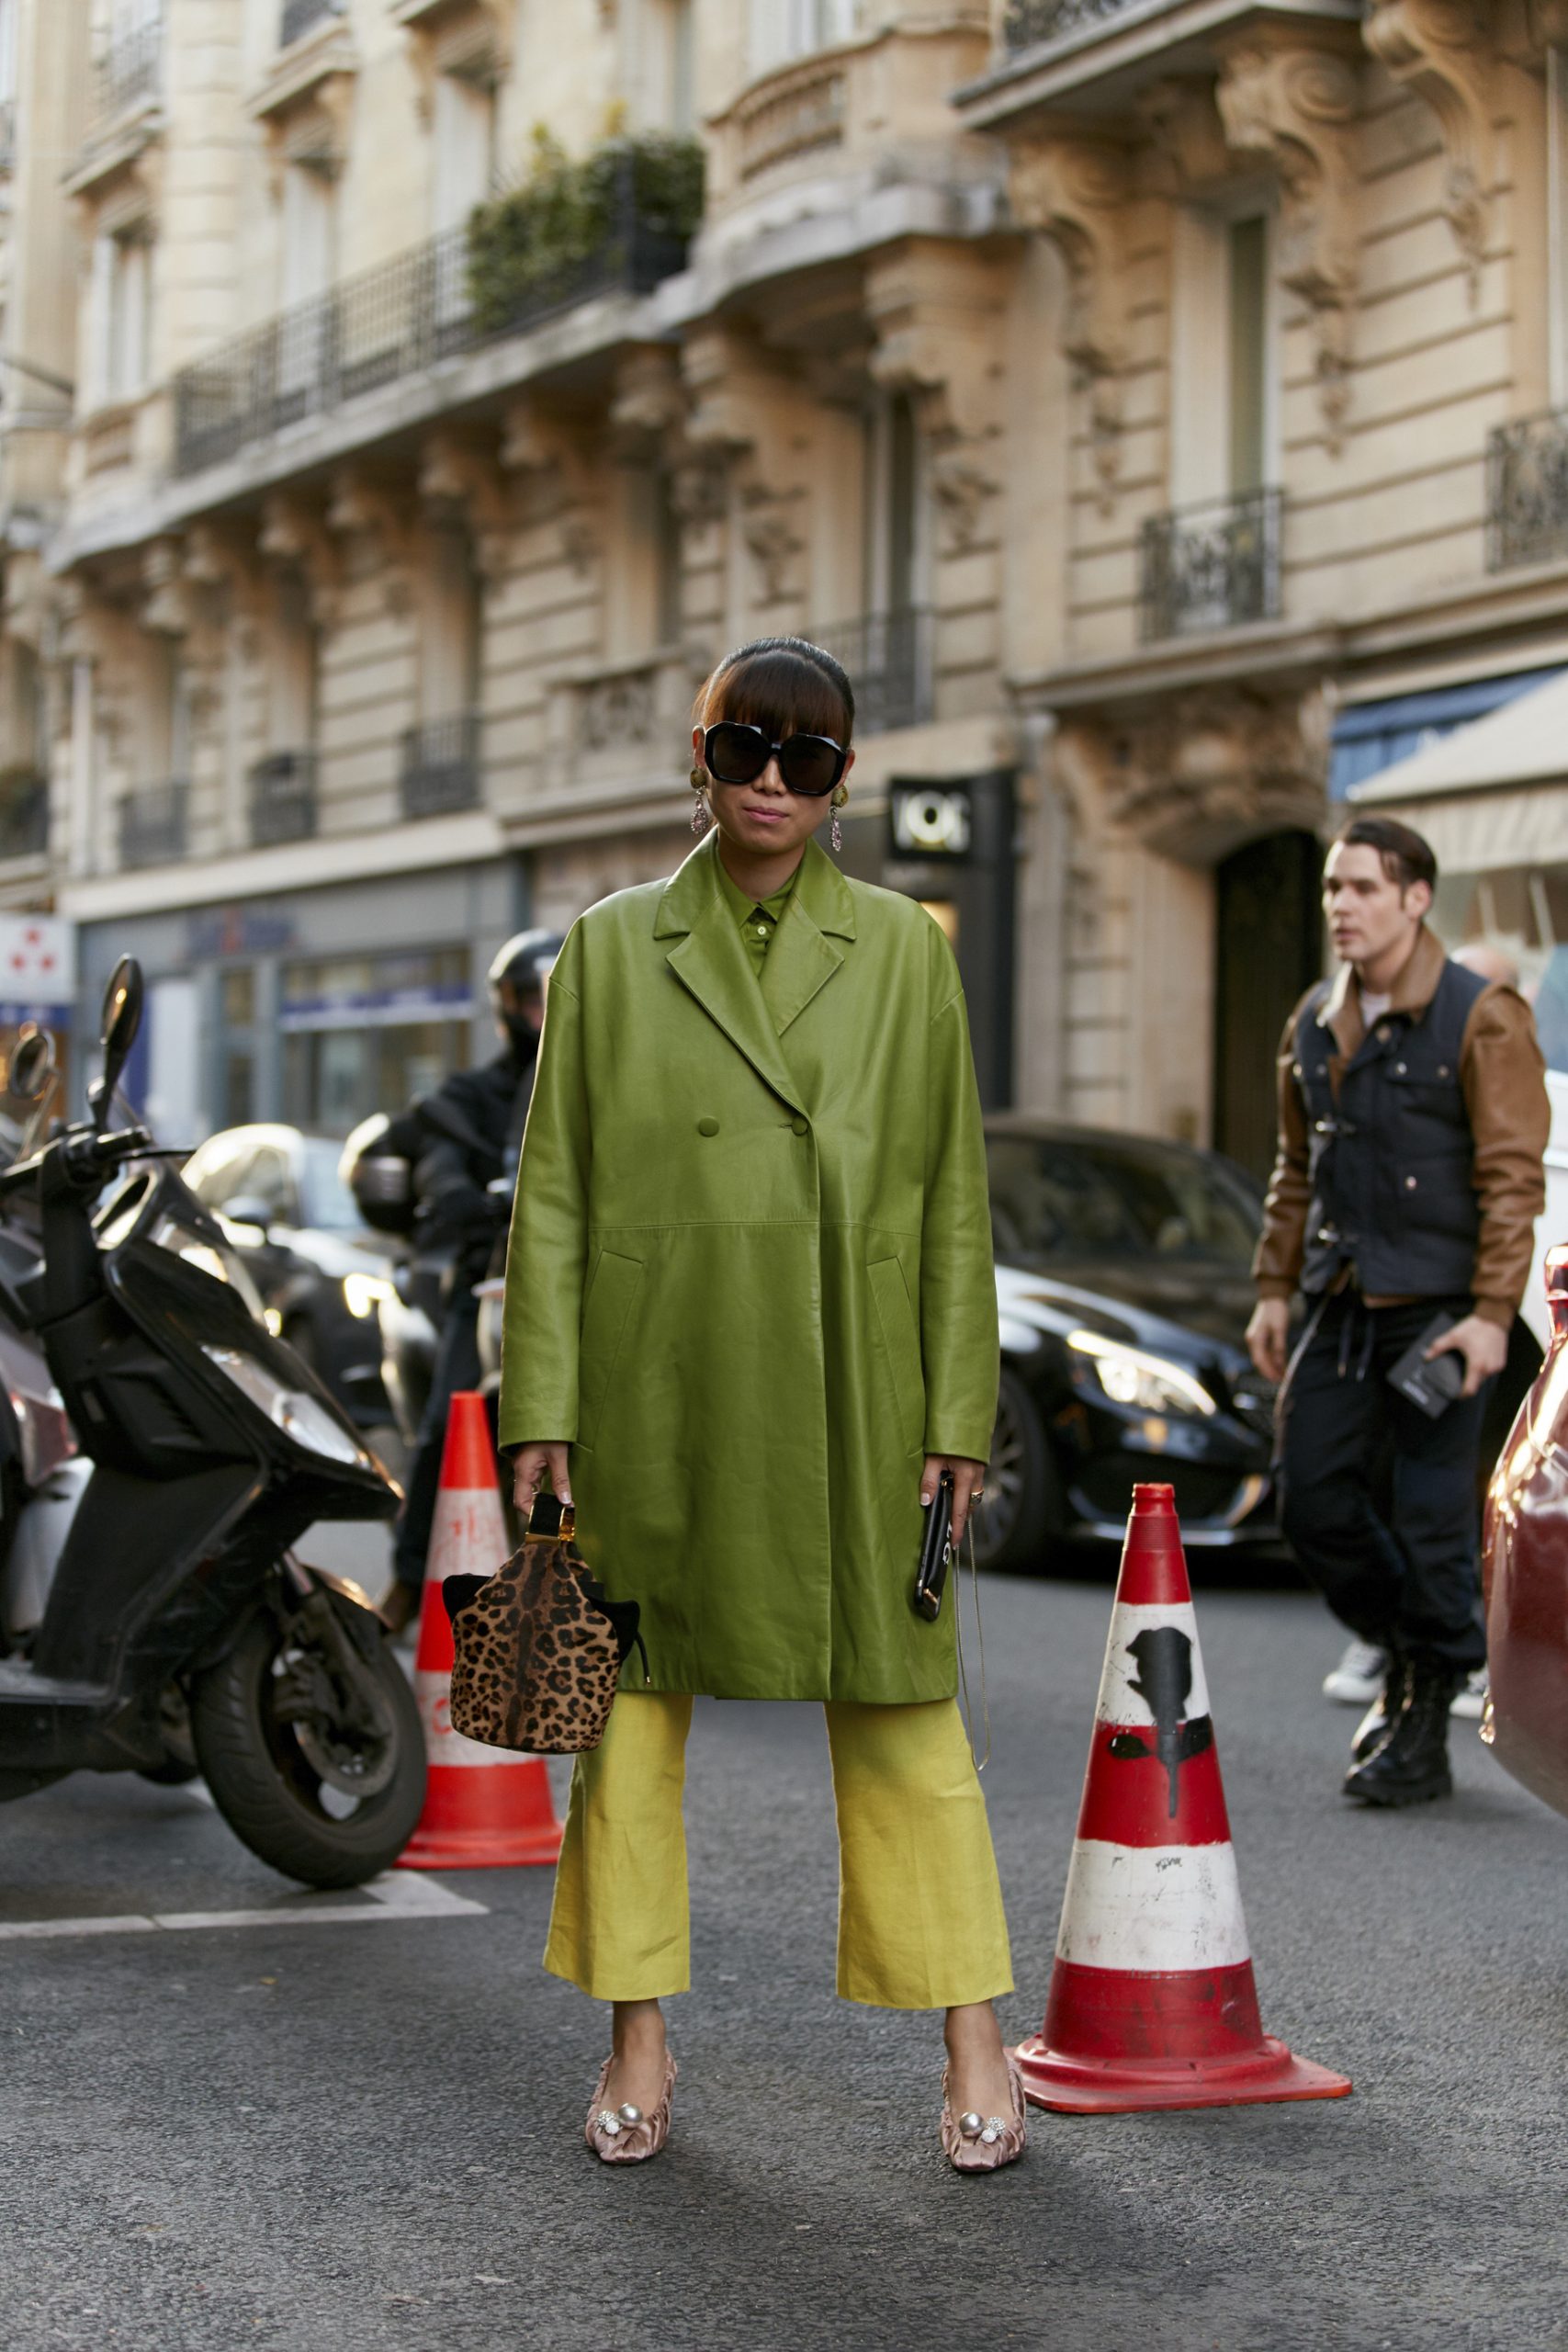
(1268, 951)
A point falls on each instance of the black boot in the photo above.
(1412, 1764)
(1377, 1724)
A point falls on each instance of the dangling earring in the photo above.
(836, 834)
(701, 814)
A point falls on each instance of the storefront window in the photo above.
(1521, 911)
(366, 1033)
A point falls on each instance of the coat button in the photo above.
(1382, 1037)
(1399, 1069)
(1410, 1184)
(707, 1126)
(801, 1126)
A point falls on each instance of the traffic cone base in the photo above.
(1153, 2002)
(486, 1808)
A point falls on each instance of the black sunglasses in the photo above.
(809, 765)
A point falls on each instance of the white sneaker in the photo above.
(1357, 1678)
(1471, 1699)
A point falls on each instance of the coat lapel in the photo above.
(803, 957)
(709, 958)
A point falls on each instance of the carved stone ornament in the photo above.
(1443, 51)
(558, 481)
(368, 511)
(1204, 772)
(648, 404)
(460, 472)
(1076, 190)
(699, 486)
(933, 312)
(1293, 108)
(961, 488)
(293, 532)
(767, 525)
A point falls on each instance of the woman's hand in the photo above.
(969, 1481)
(529, 1465)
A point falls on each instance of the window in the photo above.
(122, 273)
(785, 28)
(361, 1034)
(309, 234)
(893, 552)
(1222, 394)
(449, 647)
(662, 75)
(293, 674)
(463, 149)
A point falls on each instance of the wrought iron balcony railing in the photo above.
(1211, 567)
(390, 323)
(23, 816)
(1028, 23)
(1527, 491)
(128, 69)
(441, 766)
(153, 824)
(283, 798)
(889, 657)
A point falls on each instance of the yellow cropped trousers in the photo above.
(920, 1921)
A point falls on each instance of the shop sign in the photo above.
(219, 932)
(930, 820)
(37, 968)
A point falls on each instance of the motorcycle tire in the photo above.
(263, 1781)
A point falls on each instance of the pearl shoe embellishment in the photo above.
(986, 2129)
(613, 2121)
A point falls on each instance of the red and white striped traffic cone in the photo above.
(484, 1808)
(1152, 2001)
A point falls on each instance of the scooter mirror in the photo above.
(117, 1034)
(32, 1064)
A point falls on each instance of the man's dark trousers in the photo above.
(457, 1366)
(1409, 1586)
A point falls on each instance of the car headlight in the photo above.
(363, 1294)
(302, 1418)
(1151, 1384)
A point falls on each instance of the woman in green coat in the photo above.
(750, 1318)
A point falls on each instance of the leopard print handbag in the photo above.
(538, 1647)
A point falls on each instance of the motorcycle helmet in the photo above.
(519, 970)
(379, 1176)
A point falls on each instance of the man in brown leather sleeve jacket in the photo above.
(1413, 1123)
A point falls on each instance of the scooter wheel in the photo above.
(324, 1798)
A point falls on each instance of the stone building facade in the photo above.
(1152, 401)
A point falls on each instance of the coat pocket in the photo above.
(606, 1315)
(901, 1339)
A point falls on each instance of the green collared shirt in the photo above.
(758, 917)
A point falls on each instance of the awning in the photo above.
(1524, 742)
(1368, 736)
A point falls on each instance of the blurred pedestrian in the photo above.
(1413, 1125)
(750, 1319)
(463, 1138)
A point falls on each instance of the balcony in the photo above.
(889, 657)
(440, 769)
(1527, 493)
(281, 790)
(390, 324)
(1210, 567)
(127, 72)
(154, 824)
(23, 816)
(1029, 23)
(299, 15)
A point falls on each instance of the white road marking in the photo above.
(397, 1895)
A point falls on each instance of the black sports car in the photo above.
(1124, 1290)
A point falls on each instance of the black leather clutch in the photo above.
(936, 1550)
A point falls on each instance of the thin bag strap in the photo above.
(980, 1762)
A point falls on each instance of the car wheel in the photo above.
(1022, 1508)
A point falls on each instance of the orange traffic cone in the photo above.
(484, 1807)
(1152, 1999)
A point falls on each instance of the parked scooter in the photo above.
(154, 1472)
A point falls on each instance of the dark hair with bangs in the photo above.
(785, 684)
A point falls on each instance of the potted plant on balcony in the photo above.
(622, 214)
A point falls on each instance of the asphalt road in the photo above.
(317, 2137)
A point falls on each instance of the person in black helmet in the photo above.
(463, 1139)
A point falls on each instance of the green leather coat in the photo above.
(750, 1276)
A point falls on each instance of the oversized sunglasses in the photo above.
(811, 764)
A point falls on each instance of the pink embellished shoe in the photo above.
(984, 2143)
(625, 2135)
